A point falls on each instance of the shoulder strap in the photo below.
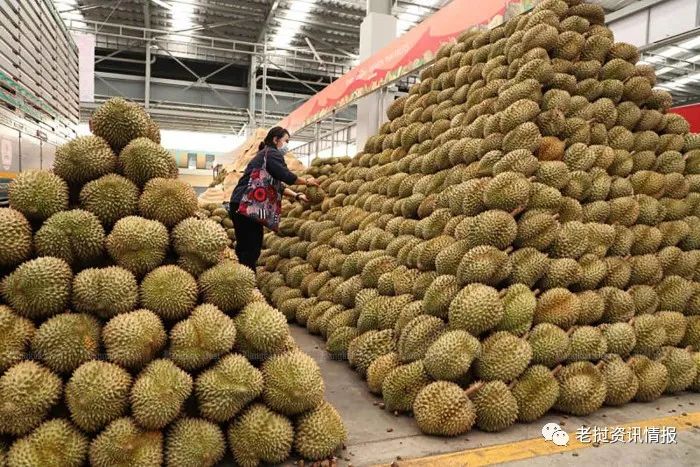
(264, 166)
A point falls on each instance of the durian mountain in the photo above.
(130, 333)
(522, 235)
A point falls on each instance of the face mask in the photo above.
(284, 149)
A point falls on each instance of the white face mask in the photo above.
(284, 149)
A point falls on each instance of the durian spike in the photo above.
(474, 388)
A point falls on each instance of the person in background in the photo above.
(249, 233)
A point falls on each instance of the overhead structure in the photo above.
(378, 30)
(222, 59)
(235, 66)
(668, 34)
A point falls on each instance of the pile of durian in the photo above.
(130, 335)
(523, 234)
(219, 214)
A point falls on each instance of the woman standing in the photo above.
(249, 232)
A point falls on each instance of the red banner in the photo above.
(403, 55)
(691, 113)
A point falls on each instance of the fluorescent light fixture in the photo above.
(182, 17)
(70, 13)
(654, 59)
(677, 83)
(290, 22)
(182, 24)
(663, 70)
(690, 43)
(671, 51)
(161, 3)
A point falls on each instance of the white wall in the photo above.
(645, 22)
(196, 141)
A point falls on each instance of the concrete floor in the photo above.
(378, 437)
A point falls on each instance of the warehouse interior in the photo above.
(489, 254)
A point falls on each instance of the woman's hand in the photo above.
(306, 181)
(302, 197)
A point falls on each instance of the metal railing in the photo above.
(338, 139)
(201, 47)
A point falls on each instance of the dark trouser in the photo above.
(249, 238)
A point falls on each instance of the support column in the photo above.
(147, 80)
(147, 89)
(317, 137)
(264, 87)
(333, 135)
(377, 30)
(252, 86)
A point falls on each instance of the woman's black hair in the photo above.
(276, 132)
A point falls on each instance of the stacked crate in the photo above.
(39, 61)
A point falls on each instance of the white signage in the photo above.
(6, 153)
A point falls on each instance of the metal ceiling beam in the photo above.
(201, 22)
(399, 3)
(208, 10)
(216, 6)
(266, 23)
(147, 80)
(227, 16)
(631, 9)
(348, 5)
(81, 8)
(333, 47)
(670, 40)
(131, 46)
(319, 82)
(313, 49)
(293, 77)
(208, 41)
(208, 27)
(328, 25)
